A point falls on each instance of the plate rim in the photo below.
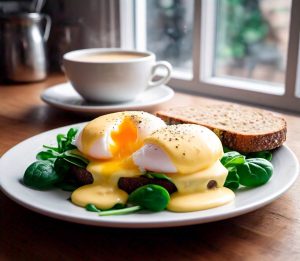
(103, 108)
(144, 224)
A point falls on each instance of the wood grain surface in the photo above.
(270, 233)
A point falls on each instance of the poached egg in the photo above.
(108, 142)
(190, 155)
(127, 144)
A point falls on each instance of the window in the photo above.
(169, 33)
(251, 39)
(244, 50)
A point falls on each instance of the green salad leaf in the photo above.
(92, 208)
(151, 197)
(61, 167)
(255, 172)
(45, 155)
(156, 175)
(252, 170)
(122, 211)
(261, 154)
(232, 158)
(41, 175)
(232, 180)
(53, 164)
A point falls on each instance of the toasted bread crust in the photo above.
(251, 135)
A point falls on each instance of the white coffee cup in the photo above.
(113, 75)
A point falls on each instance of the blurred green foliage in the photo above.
(242, 24)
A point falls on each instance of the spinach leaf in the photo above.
(151, 197)
(41, 175)
(119, 206)
(51, 148)
(45, 155)
(261, 154)
(226, 149)
(60, 139)
(117, 209)
(122, 211)
(249, 172)
(72, 133)
(232, 158)
(73, 154)
(92, 208)
(61, 167)
(54, 164)
(64, 142)
(155, 175)
(68, 185)
(232, 180)
(75, 161)
(255, 172)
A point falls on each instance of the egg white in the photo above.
(100, 149)
(152, 158)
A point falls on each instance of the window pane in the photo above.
(169, 28)
(252, 39)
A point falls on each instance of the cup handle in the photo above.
(165, 78)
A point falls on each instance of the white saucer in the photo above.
(64, 96)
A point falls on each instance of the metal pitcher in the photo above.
(23, 38)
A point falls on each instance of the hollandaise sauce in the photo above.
(104, 192)
(194, 192)
(194, 151)
(122, 142)
(212, 198)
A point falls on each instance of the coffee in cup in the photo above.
(113, 75)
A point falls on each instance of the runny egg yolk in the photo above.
(125, 139)
(104, 192)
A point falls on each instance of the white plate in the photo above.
(64, 96)
(54, 203)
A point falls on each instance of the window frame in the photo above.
(202, 82)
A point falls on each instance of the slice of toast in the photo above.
(240, 128)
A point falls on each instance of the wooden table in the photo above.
(270, 233)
